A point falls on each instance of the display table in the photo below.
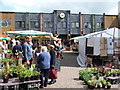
(15, 84)
(114, 79)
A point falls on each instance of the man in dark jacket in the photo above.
(17, 49)
(52, 61)
(43, 63)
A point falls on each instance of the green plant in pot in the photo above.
(98, 75)
(91, 84)
(108, 85)
(28, 74)
(36, 74)
(98, 84)
(6, 61)
(104, 83)
(22, 76)
(108, 72)
(5, 74)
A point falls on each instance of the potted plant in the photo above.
(108, 72)
(6, 61)
(98, 84)
(28, 75)
(104, 83)
(98, 75)
(36, 74)
(91, 84)
(108, 85)
(22, 76)
(5, 74)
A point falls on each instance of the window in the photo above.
(34, 24)
(73, 25)
(63, 24)
(20, 24)
(48, 24)
(45, 24)
(87, 25)
(77, 25)
(98, 25)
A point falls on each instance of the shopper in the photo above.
(27, 51)
(52, 61)
(43, 63)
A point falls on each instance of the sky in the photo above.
(109, 7)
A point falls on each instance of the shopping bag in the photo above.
(53, 74)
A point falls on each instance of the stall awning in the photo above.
(29, 32)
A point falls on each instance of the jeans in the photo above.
(44, 75)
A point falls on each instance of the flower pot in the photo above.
(97, 77)
(5, 80)
(22, 79)
(10, 76)
(103, 86)
(91, 86)
(98, 86)
(32, 78)
(27, 79)
(36, 77)
(80, 78)
(108, 87)
(14, 75)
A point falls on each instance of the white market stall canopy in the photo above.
(112, 32)
(103, 43)
(29, 32)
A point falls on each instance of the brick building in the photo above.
(61, 22)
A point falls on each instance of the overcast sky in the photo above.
(110, 7)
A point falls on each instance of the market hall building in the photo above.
(59, 22)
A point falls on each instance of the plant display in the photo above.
(93, 77)
(5, 74)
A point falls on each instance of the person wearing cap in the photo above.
(52, 61)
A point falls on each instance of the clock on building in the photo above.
(62, 15)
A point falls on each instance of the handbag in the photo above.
(53, 74)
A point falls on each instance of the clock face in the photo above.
(62, 15)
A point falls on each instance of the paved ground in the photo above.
(68, 76)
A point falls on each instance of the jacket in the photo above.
(27, 51)
(43, 60)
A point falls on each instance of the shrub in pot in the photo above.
(98, 84)
(28, 75)
(36, 74)
(91, 84)
(6, 61)
(5, 74)
(104, 83)
(108, 85)
(22, 76)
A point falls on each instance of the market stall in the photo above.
(104, 44)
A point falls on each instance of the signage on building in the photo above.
(4, 23)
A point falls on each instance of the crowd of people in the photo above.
(43, 56)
